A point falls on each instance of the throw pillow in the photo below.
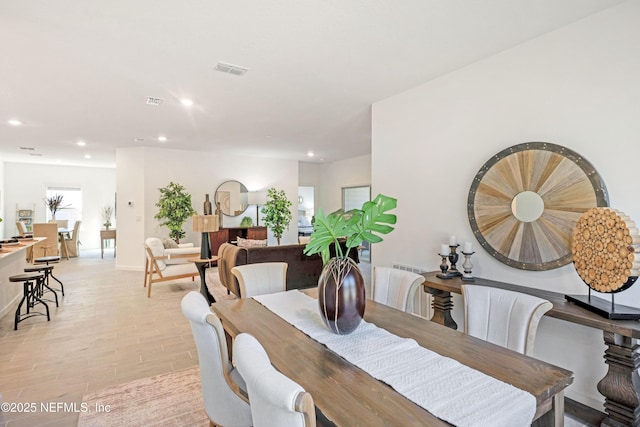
(168, 243)
(250, 243)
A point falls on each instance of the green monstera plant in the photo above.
(357, 225)
(175, 209)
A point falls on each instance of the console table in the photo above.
(107, 235)
(621, 384)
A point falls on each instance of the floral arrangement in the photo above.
(54, 203)
(106, 213)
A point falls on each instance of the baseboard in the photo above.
(10, 305)
(583, 412)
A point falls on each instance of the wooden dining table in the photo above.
(346, 395)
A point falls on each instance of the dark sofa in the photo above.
(302, 272)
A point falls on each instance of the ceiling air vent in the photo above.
(236, 70)
(154, 101)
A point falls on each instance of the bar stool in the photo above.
(46, 260)
(29, 288)
(43, 284)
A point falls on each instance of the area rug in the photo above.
(215, 287)
(173, 399)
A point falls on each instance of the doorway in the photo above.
(306, 210)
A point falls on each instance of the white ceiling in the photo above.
(82, 70)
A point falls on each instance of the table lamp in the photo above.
(257, 198)
(204, 224)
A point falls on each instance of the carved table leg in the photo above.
(621, 385)
(442, 306)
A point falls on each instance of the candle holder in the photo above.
(443, 267)
(453, 259)
(467, 266)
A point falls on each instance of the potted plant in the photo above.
(277, 214)
(341, 294)
(175, 209)
(247, 221)
(54, 203)
(106, 213)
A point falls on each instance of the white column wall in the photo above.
(578, 87)
(2, 201)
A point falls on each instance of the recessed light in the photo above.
(81, 143)
(186, 102)
(162, 138)
(310, 154)
(14, 122)
(87, 156)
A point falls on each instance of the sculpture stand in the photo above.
(604, 308)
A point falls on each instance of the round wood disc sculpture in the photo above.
(605, 242)
(525, 201)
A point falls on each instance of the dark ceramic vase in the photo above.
(207, 205)
(341, 295)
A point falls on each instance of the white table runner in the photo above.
(446, 388)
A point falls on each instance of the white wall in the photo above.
(26, 184)
(2, 202)
(578, 87)
(141, 171)
(352, 172)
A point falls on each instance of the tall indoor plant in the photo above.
(175, 209)
(277, 214)
(341, 294)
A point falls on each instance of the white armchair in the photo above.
(163, 264)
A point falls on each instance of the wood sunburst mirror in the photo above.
(525, 201)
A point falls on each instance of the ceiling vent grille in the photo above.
(154, 101)
(236, 70)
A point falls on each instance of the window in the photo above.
(71, 202)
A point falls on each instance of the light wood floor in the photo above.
(105, 332)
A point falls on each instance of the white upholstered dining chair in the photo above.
(395, 288)
(262, 278)
(506, 318)
(221, 384)
(275, 399)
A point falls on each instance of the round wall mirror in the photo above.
(526, 200)
(232, 198)
(527, 206)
